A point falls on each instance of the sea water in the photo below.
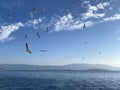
(59, 80)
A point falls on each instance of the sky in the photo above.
(66, 40)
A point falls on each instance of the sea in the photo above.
(59, 80)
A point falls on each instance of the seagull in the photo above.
(99, 52)
(43, 9)
(25, 36)
(21, 42)
(43, 50)
(46, 29)
(82, 57)
(9, 16)
(84, 26)
(27, 49)
(34, 9)
(38, 34)
(31, 14)
(85, 42)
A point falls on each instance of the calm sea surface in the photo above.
(59, 80)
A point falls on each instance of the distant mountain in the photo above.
(64, 67)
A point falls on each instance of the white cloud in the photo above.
(33, 22)
(92, 11)
(105, 4)
(86, 2)
(68, 23)
(118, 39)
(92, 8)
(112, 18)
(102, 5)
(63, 22)
(92, 14)
(5, 31)
(76, 26)
(111, 8)
(10, 38)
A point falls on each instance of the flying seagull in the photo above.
(34, 9)
(99, 52)
(46, 29)
(43, 50)
(82, 57)
(27, 49)
(38, 34)
(85, 42)
(9, 16)
(84, 26)
(21, 42)
(26, 36)
(31, 14)
(44, 9)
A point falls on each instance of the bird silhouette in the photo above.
(84, 26)
(46, 30)
(31, 14)
(43, 50)
(9, 16)
(34, 9)
(27, 48)
(38, 34)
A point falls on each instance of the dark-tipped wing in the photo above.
(29, 51)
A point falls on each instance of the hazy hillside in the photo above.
(64, 67)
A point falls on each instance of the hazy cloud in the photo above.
(5, 31)
(112, 18)
(93, 11)
(68, 23)
(102, 5)
(33, 22)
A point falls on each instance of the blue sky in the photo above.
(66, 37)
